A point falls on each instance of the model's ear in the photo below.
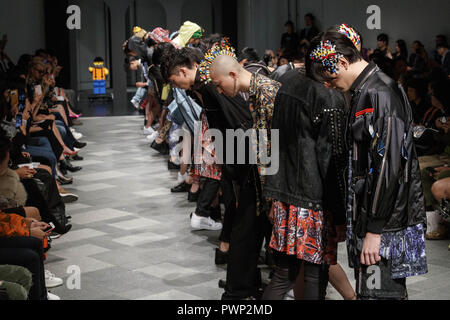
(233, 74)
(343, 64)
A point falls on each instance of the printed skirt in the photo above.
(305, 233)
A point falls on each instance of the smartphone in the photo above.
(52, 226)
(14, 97)
(38, 89)
(18, 120)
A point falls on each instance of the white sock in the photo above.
(181, 178)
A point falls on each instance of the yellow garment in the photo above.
(186, 32)
(165, 92)
(98, 73)
(139, 32)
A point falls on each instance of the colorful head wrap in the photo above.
(223, 47)
(350, 33)
(326, 54)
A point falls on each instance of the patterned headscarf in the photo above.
(326, 54)
(350, 33)
(223, 47)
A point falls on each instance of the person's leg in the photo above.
(206, 197)
(315, 281)
(283, 278)
(28, 253)
(43, 151)
(32, 212)
(16, 280)
(243, 277)
(60, 113)
(340, 282)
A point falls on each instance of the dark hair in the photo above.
(343, 45)
(211, 39)
(403, 49)
(383, 37)
(161, 49)
(40, 52)
(289, 23)
(176, 58)
(23, 63)
(420, 85)
(440, 91)
(421, 47)
(5, 145)
(311, 16)
(442, 45)
(248, 53)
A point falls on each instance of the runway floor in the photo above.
(131, 238)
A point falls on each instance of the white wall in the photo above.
(23, 21)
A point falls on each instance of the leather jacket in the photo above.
(312, 155)
(386, 184)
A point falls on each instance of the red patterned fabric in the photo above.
(305, 233)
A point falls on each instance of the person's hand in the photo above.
(26, 155)
(371, 249)
(38, 233)
(141, 84)
(50, 117)
(38, 98)
(439, 170)
(41, 225)
(25, 173)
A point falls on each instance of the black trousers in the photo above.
(206, 197)
(50, 204)
(243, 276)
(229, 200)
(26, 252)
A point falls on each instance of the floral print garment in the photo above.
(305, 233)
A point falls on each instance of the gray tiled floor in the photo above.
(131, 237)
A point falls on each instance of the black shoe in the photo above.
(66, 165)
(76, 157)
(172, 166)
(193, 197)
(162, 148)
(222, 284)
(79, 145)
(182, 187)
(221, 257)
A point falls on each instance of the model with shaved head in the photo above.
(229, 76)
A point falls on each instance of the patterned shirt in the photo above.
(262, 93)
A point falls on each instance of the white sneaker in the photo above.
(203, 223)
(156, 126)
(77, 135)
(51, 281)
(72, 129)
(152, 137)
(148, 130)
(51, 296)
(135, 103)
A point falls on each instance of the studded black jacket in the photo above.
(312, 154)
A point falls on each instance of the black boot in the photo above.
(162, 148)
(66, 165)
(182, 187)
(79, 145)
(172, 166)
